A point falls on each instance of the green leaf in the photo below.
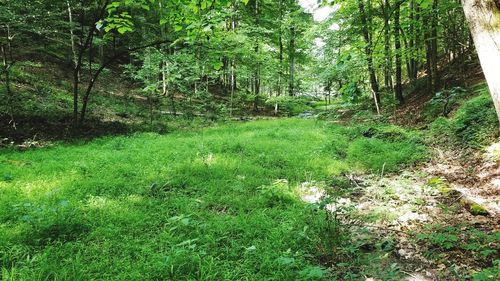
(124, 29)
(217, 65)
(425, 3)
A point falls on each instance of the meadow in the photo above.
(213, 204)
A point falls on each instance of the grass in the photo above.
(474, 124)
(210, 204)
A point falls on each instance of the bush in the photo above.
(376, 154)
(377, 147)
(474, 124)
(291, 106)
(476, 121)
(443, 103)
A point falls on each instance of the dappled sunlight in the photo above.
(34, 189)
(304, 140)
(267, 186)
(99, 202)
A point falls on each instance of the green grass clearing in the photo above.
(197, 205)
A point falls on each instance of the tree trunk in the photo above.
(233, 64)
(428, 53)
(434, 47)
(412, 42)
(280, 43)
(7, 64)
(256, 87)
(368, 50)
(85, 44)
(291, 86)
(72, 35)
(387, 46)
(484, 23)
(280, 71)
(398, 90)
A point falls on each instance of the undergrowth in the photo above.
(474, 124)
(210, 204)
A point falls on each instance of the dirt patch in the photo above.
(412, 211)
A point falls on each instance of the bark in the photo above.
(257, 67)
(484, 24)
(163, 63)
(233, 64)
(428, 54)
(6, 72)
(398, 90)
(291, 86)
(280, 43)
(85, 44)
(72, 35)
(434, 47)
(412, 71)
(387, 46)
(8, 62)
(368, 50)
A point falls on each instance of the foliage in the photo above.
(492, 273)
(291, 106)
(378, 148)
(278, 193)
(185, 205)
(473, 124)
(478, 244)
(443, 102)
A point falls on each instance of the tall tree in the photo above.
(291, 57)
(368, 50)
(484, 24)
(398, 90)
(386, 7)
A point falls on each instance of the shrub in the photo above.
(375, 154)
(291, 105)
(473, 125)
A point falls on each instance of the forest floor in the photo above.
(444, 223)
(227, 203)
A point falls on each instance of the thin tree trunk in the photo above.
(412, 72)
(291, 50)
(387, 46)
(368, 51)
(434, 49)
(280, 43)
(233, 64)
(428, 54)
(72, 35)
(85, 44)
(398, 90)
(7, 64)
(256, 87)
(163, 63)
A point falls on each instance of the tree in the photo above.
(6, 66)
(369, 51)
(398, 90)
(484, 24)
